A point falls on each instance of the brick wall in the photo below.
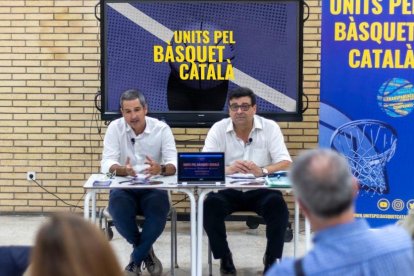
(49, 74)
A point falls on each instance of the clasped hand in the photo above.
(244, 166)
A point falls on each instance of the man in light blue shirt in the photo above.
(325, 190)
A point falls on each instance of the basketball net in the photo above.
(368, 145)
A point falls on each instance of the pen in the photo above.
(240, 180)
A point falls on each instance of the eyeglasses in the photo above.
(244, 107)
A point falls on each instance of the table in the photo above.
(169, 183)
(200, 209)
(196, 208)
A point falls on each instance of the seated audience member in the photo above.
(138, 144)
(67, 245)
(14, 260)
(252, 145)
(343, 245)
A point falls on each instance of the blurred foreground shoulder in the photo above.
(285, 267)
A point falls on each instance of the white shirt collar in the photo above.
(257, 124)
(128, 128)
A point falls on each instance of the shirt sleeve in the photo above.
(277, 148)
(111, 149)
(212, 142)
(169, 150)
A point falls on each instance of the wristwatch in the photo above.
(265, 171)
(163, 169)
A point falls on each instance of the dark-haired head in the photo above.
(243, 92)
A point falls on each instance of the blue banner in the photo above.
(367, 99)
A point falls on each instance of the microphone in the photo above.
(250, 141)
(133, 141)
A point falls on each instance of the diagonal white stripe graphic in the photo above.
(264, 91)
(144, 21)
(240, 78)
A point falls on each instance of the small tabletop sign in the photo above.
(101, 183)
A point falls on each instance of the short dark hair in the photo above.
(243, 92)
(132, 94)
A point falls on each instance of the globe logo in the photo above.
(396, 97)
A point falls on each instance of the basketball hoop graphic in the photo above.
(368, 145)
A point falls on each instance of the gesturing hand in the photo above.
(154, 168)
(128, 168)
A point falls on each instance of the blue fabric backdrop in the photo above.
(367, 101)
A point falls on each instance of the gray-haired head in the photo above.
(322, 181)
(133, 94)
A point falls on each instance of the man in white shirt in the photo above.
(137, 144)
(255, 145)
